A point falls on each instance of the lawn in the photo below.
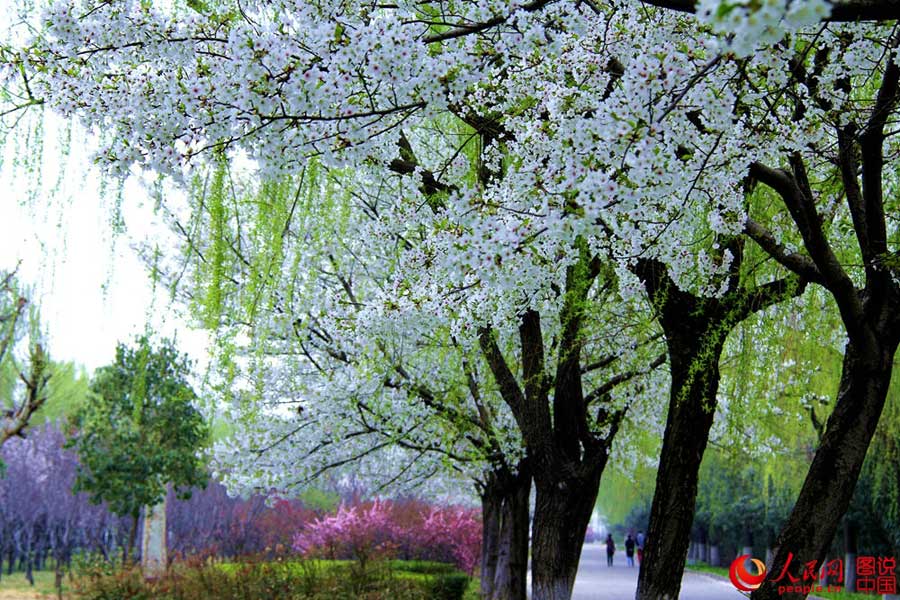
(16, 587)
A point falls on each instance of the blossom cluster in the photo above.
(364, 531)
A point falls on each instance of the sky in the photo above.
(56, 224)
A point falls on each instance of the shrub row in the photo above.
(279, 580)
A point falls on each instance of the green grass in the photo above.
(282, 579)
(402, 568)
(474, 589)
(43, 585)
(705, 568)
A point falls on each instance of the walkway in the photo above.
(596, 581)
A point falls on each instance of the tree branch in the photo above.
(464, 29)
(509, 388)
(610, 384)
(16, 420)
(793, 261)
(872, 152)
(794, 191)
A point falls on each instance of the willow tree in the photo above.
(321, 389)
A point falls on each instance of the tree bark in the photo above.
(491, 505)
(505, 519)
(565, 451)
(691, 409)
(831, 479)
(562, 512)
(154, 559)
(58, 579)
(696, 329)
(511, 576)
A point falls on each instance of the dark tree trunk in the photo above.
(832, 477)
(491, 505)
(561, 515)
(850, 547)
(505, 518)
(692, 403)
(511, 577)
(58, 579)
(696, 329)
(132, 539)
(566, 453)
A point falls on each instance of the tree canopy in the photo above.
(140, 429)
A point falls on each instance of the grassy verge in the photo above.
(472, 592)
(705, 568)
(16, 587)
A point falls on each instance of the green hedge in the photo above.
(280, 580)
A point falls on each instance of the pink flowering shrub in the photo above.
(361, 531)
(408, 529)
(455, 530)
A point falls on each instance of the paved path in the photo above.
(596, 581)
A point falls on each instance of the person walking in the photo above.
(610, 550)
(640, 546)
(629, 550)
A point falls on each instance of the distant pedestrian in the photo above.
(629, 550)
(610, 550)
(640, 546)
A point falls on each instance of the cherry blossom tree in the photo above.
(353, 376)
(840, 179)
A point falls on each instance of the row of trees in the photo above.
(479, 232)
(744, 497)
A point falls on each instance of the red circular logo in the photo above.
(742, 578)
